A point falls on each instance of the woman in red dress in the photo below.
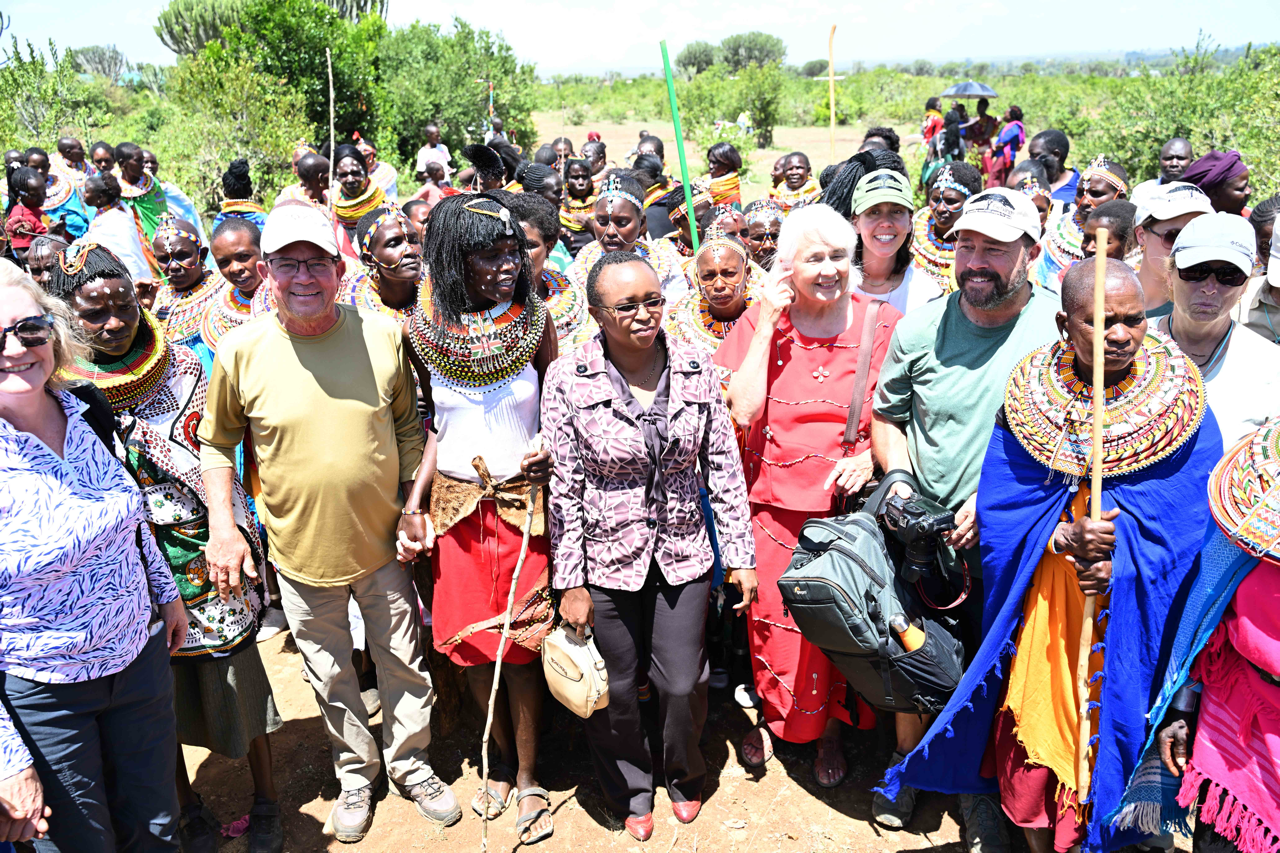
(794, 356)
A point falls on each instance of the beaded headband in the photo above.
(716, 243)
(681, 210)
(304, 146)
(1099, 168)
(1031, 188)
(722, 210)
(72, 258)
(501, 214)
(612, 189)
(765, 211)
(947, 179)
(392, 214)
(169, 228)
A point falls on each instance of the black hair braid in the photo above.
(453, 232)
(99, 263)
(839, 193)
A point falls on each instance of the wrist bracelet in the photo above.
(413, 512)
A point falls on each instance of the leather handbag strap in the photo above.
(865, 346)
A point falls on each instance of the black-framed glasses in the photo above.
(627, 310)
(1228, 275)
(30, 331)
(288, 267)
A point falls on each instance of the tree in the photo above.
(814, 68)
(754, 47)
(761, 87)
(40, 98)
(1028, 68)
(230, 109)
(102, 60)
(696, 57)
(949, 69)
(431, 76)
(286, 40)
(186, 26)
(354, 10)
(152, 78)
(922, 68)
(980, 69)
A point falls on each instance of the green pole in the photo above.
(684, 165)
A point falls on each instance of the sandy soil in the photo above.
(621, 138)
(778, 809)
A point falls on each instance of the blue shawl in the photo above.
(1158, 533)
(1149, 802)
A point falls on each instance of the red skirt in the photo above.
(1029, 793)
(800, 689)
(472, 568)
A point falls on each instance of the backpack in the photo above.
(841, 589)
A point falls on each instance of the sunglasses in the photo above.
(630, 309)
(1168, 238)
(30, 331)
(1227, 275)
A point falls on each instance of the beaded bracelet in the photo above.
(413, 512)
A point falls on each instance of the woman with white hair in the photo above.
(794, 359)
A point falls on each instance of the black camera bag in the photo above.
(841, 589)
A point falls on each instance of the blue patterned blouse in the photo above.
(75, 594)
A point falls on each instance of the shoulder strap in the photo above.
(98, 416)
(865, 346)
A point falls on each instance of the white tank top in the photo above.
(497, 422)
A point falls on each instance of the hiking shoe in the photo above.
(984, 829)
(372, 702)
(746, 697)
(266, 835)
(353, 813)
(272, 623)
(435, 801)
(199, 830)
(894, 814)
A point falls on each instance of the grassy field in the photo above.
(620, 138)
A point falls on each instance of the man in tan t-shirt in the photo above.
(327, 395)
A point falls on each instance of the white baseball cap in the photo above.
(1001, 214)
(1216, 237)
(298, 223)
(1171, 200)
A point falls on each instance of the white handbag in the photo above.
(574, 670)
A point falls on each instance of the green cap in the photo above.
(879, 186)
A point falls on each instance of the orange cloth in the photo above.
(1042, 694)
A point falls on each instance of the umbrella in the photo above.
(970, 89)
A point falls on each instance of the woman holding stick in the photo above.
(481, 341)
(1044, 555)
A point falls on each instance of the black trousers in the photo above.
(664, 625)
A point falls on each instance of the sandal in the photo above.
(525, 821)
(766, 747)
(830, 742)
(497, 803)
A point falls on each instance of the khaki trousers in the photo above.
(318, 618)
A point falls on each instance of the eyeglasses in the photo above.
(1168, 238)
(1227, 275)
(627, 310)
(30, 331)
(288, 267)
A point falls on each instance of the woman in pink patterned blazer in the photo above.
(636, 421)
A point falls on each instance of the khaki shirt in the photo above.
(1259, 308)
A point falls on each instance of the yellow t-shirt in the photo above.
(335, 432)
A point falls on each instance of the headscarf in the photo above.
(1214, 169)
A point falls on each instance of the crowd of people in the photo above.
(357, 415)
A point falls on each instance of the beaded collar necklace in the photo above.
(1244, 492)
(349, 210)
(232, 308)
(128, 190)
(936, 257)
(182, 314)
(568, 306)
(132, 379)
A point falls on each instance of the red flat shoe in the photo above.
(641, 828)
(687, 812)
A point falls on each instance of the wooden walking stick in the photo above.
(831, 87)
(333, 143)
(1083, 775)
(497, 666)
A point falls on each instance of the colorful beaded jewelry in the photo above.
(57, 190)
(1244, 492)
(138, 190)
(1149, 414)
(182, 314)
(232, 308)
(789, 199)
(947, 180)
(1063, 239)
(612, 191)
(135, 377)
(765, 210)
(348, 211)
(936, 257)
(487, 350)
(568, 306)
(1031, 188)
(1100, 167)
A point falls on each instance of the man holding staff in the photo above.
(1014, 724)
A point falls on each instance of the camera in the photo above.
(917, 523)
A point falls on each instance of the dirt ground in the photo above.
(621, 138)
(780, 809)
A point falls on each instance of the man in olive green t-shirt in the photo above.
(326, 394)
(936, 399)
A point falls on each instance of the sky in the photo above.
(893, 31)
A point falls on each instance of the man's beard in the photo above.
(1001, 291)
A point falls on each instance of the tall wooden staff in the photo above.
(684, 165)
(1083, 776)
(831, 87)
(333, 142)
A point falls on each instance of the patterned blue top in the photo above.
(75, 596)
